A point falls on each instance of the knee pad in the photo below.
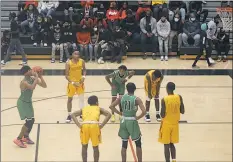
(125, 144)
(148, 99)
(29, 123)
(138, 143)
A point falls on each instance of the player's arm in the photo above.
(107, 117)
(163, 109)
(149, 85)
(158, 86)
(131, 73)
(67, 69)
(114, 104)
(84, 72)
(181, 105)
(26, 85)
(142, 107)
(41, 82)
(74, 117)
(108, 77)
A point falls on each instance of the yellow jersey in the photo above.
(156, 2)
(172, 114)
(75, 71)
(91, 113)
(153, 82)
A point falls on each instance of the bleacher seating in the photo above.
(7, 6)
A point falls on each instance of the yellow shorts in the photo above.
(90, 132)
(72, 90)
(169, 133)
(152, 90)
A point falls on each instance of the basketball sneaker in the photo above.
(158, 117)
(219, 59)
(27, 140)
(195, 67)
(224, 58)
(68, 119)
(113, 118)
(166, 58)
(153, 56)
(20, 143)
(147, 118)
(52, 61)
(144, 56)
(3, 63)
(162, 58)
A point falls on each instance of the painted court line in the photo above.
(132, 150)
(37, 143)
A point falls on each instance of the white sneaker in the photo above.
(211, 60)
(100, 60)
(3, 63)
(34, 44)
(45, 45)
(166, 58)
(52, 61)
(162, 58)
(61, 61)
(24, 63)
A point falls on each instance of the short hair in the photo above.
(92, 100)
(157, 73)
(122, 67)
(24, 69)
(131, 87)
(171, 86)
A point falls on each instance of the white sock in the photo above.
(157, 112)
(69, 113)
(81, 101)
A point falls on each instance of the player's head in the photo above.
(170, 87)
(76, 55)
(131, 87)
(157, 74)
(122, 69)
(26, 71)
(93, 100)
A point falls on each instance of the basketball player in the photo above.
(90, 128)
(152, 82)
(172, 106)
(24, 103)
(129, 126)
(75, 74)
(119, 78)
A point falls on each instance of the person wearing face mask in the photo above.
(196, 7)
(177, 7)
(191, 31)
(163, 29)
(148, 32)
(112, 16)
(176, 30)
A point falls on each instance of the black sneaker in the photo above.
(68, 119)
(147, 118)
(158, 117)
(153, 56)
(144, 56)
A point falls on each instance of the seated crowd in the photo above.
(99, 29)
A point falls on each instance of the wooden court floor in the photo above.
(206, 137)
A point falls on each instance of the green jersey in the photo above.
(26, 95)
(128, 104)
(116, 78)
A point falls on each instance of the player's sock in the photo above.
(68, 119)
(147, 117)
(22, 132)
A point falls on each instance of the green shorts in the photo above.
(120, 89)
(25, 109)
(129, 128)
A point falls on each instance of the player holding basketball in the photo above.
(152, 82)
(24, 103)
(75, 72)
(90, 128)
(119, 78)
(129, 126)
(172, 106)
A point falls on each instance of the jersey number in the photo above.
(127, 106)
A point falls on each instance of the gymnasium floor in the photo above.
(207, 94)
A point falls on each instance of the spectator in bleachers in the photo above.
(30, 14)
(87, 3)
(176, 7)
(227, 3)
(69, 38)
(123, 10)
(83, 38)
(48, 28)
(88, 9)
(148, 32)
(176, 30)
(222, 45)
(21, 5)
(112, 16)
(130, 25)
(39, 31)
(191, 31)
(5, 41)
(94, 44)
(163, 29)
(33, 2)
(87, 21)
(57, 43)
(196, 7)
(47, 8)
(143, 6)
(159, 7)
(100, 13)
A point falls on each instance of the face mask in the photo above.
(163, 20)
(176, 19)
(192, 19)
(95, 29)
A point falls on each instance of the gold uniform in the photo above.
(169, 128)
(90, 128)
(154, 83)
(75, 75)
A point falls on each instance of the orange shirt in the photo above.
(87, 3)
(28, 2)
(112, 14)
(122, 14)
(83, 37)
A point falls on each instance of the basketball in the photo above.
(37, 69)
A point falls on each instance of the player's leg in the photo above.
(80, 91)
(139, 149)
(114, 91)
(19, 141)
(148, 99)
(96, 153)
(84, 138)
(167, 152)
(95, 135)
(121, 93)
(124, 134)
(174, 139)
(29, 125)
(124, 150)
(84, 152)
(71, 89)
(173, 152)
(157, 103)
